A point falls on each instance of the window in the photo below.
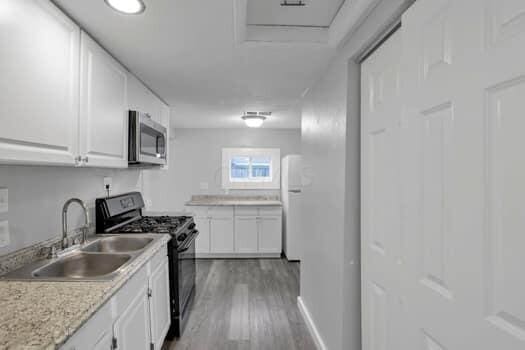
(251, 168)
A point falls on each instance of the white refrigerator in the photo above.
(291, 187)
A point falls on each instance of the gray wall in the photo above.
(330, 270)
(196, 157)
(36, 196)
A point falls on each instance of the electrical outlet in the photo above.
(204, 186)
(4, 200)
(4, 234)
(108, 181)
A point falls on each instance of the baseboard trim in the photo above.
(311, 325)
(238, 255)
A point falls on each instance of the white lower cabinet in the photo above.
(221, 235)
(159, 304)
(131, 330)
(270, 237)
(137, 317)
(246, 232)
(238, 232)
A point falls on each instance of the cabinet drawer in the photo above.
(246, 211)
(220, 212)
(270, 211)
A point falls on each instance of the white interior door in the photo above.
(382, 240)
(458, 280)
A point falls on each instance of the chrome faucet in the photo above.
(64, 221)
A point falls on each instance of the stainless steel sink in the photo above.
(118, 244)
(100, 260)
(80, 265)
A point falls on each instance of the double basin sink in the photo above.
(99, 260)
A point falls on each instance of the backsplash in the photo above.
(37, 194)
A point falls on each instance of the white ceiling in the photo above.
(318, 13)
(188, 53)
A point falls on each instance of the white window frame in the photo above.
(251, 184)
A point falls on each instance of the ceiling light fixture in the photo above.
(255, 119)
(128, 7)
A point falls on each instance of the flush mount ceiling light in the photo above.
(128, 7)
(255, 119)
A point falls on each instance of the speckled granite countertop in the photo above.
(228, 200)
(44, 315)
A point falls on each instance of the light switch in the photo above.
(4, 234)
(4, 200)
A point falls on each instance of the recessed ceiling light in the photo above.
(129, 7)
(253, 120)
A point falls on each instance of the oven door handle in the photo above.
(189, 242)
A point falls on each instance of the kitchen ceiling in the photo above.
(190, 54)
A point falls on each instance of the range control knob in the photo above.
(182, 237)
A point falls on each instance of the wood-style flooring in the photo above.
(245, 304)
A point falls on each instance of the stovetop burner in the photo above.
(156, 224)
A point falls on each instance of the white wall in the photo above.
(330, 269)
(196, 157)
(37, 194)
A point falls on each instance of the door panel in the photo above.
(39, 66)
(246, 234)
(382, 237)
(221, 235)
(132, 329)
(160, 304)
(103, 106)
(455, 283)
(270, 234)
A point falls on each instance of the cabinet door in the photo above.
(246, 234)
(132, 329)
(221, 233)
(39, 64)
(103, 108)
(104, 343)
(270, 234)
(159, 304)
(96, 333)
(202, 243)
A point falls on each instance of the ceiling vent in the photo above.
(286, 3)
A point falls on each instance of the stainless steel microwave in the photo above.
(147, 141)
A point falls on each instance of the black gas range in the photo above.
(123, 214)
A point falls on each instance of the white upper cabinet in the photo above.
(39, 66)
(143, 100)
(103, 108)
